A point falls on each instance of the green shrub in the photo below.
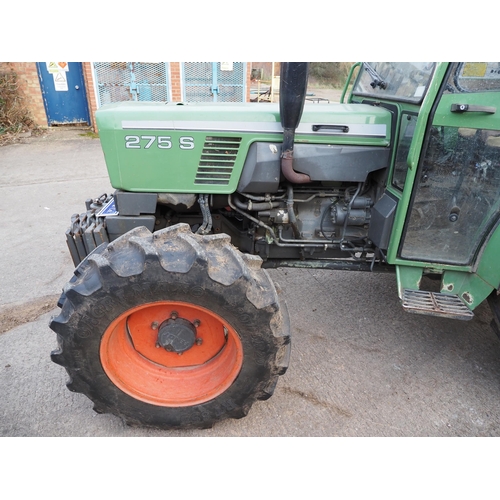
(14, 116)
(331, 74)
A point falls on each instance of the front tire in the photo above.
(172, 329)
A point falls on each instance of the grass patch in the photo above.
(90, 135)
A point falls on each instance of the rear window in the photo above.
(474, 77)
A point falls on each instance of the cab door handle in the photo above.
(467, 108)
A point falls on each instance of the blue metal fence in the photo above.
(131, 81)
(214, 81)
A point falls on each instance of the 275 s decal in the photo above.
(162, 142)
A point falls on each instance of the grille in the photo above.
(217, 160)
(131, 81)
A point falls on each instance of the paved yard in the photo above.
(360, 365)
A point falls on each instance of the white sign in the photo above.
(226, 66)
(58, 71)
(60, 82)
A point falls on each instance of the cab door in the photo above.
(455, 202)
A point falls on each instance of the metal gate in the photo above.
(131, 81)
(214, 81)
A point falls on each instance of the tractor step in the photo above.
(435, 304)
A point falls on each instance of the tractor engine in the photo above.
(323, 218)
(308, 222)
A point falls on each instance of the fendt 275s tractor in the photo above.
(171, 319)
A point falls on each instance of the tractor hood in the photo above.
(167, 147)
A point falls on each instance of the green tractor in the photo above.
(171, 319)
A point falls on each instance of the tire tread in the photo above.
(178, 251)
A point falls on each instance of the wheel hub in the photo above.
(176, 335)
(132, 357)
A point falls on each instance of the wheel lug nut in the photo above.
(155, 325)
(196, 323)
(199, 341)
(174, 314)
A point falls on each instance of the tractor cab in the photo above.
(444, 183)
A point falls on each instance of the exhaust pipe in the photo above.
(293, 86)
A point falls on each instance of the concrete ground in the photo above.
(360, 366)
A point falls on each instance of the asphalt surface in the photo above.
(360, 366)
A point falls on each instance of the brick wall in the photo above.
(29, 89)
(249, 74)
(89, 88)
(175, 79)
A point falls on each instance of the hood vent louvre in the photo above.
(217, 160)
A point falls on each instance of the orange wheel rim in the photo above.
(133, 360)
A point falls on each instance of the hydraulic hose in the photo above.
(256, 207)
